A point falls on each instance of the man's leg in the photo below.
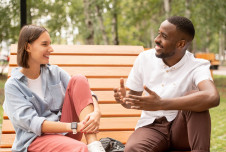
(150, 138)
(191, 131)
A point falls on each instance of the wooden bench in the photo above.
(103, 66)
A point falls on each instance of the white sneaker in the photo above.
(96, 146)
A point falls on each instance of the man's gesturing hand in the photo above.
(149, 103)
(120, 93)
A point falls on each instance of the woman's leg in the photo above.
(77, 104)
(56, 143)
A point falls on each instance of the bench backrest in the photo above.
(103, 66)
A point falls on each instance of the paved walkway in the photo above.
(221, 71)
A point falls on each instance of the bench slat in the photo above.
(5, 149)
(114, 110)
(79, 60)
(91, 49)
(104, 97)
(104, 84)
(106, 124)
(96, 72)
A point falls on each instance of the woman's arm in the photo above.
(96, 105)
(58, 127)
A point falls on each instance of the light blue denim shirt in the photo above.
(26, 110)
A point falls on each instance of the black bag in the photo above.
(112, 145)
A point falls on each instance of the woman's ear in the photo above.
(28, 47)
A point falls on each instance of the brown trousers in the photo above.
(189, 131)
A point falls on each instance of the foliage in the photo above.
(137, 21)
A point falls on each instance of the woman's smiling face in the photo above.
(39, 50)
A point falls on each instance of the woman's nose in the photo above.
(51, 49)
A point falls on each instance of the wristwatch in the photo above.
(74, 127)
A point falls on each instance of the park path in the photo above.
(221, 71)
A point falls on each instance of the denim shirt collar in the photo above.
(16, 73)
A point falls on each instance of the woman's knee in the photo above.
(78, 80)
(79, 77)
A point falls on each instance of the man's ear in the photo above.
(181, 44)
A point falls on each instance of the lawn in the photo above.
(2, 82)
(218, 138)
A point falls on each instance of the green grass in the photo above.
(2, 82)
(218, 114)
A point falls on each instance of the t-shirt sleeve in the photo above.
(135, 79)
(202, 72)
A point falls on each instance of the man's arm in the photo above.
(204, 99)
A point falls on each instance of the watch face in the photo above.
(74, 125)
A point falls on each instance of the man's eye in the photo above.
(164, 36)
(44, 44)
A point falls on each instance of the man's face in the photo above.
(166, 40)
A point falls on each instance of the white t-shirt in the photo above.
(167, 82)
(36, 86)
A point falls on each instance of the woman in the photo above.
(46, 107)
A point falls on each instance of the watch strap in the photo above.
(74, 127)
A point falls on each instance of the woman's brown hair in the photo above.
(28, 34)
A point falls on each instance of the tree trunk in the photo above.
(221, 46)
(115, 23)
(152, 35)
(23, 13)
(29, 17)
(187, 9)
(207, 41)
(188, 15)
(167, 8)
(89, 23)
(102, 28)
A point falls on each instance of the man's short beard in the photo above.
(163, 55)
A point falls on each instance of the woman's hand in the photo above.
(91, 123)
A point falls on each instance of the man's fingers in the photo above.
(115, 90)
(122, 83)
(135, 97)
(148, 90)
(131, 101)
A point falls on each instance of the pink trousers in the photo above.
(77, 97)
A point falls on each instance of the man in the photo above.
(179, 91)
